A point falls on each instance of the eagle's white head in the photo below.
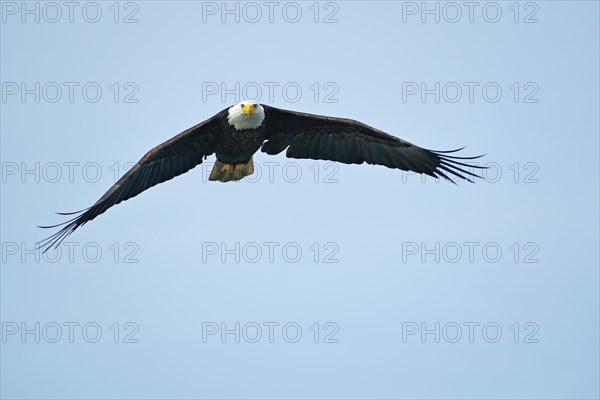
(246, 115)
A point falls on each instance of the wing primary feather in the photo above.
(443, 175)
(74, 212)
(62, 223)
(448, 151)
(457, 174)
(463, 164)
(460, 158)
(451, 165)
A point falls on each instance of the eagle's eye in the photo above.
(254, 105)
(242, 105)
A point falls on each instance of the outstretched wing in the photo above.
(166, 161)
(351, 142)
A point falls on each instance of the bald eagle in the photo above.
(236, 133)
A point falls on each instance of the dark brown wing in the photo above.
(351, 142)
(166, 161)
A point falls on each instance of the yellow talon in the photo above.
(239, 168)
(227, 168)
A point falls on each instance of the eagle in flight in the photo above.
(236, 133)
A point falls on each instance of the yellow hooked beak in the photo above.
(248, 109)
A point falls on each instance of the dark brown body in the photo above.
(237, 147)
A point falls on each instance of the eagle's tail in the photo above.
(224, 172)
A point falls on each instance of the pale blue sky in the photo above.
(405, 255)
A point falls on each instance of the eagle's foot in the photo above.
(227, 168)
(224, 172)
(239, 168)
(238, 172)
